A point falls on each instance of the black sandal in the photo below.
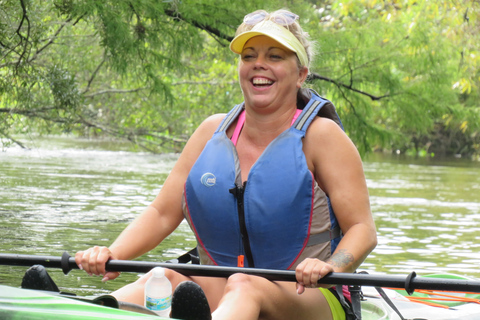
(37, 278)
(190, 303)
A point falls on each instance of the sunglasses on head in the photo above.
(281, 17)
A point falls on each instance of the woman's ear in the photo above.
(302, 73)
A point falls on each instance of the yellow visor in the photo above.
(277, 33)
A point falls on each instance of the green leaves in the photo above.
(406, 54)
(403, 74)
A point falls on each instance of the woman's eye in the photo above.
(247, 56)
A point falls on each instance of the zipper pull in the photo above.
(238, 191)
(241, 261)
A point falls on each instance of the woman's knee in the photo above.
(243, 283)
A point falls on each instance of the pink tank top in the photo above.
(241, 122)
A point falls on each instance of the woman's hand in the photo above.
(93, 261)
(309, 271)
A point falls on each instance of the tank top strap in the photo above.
(295, 116)
(238, 128)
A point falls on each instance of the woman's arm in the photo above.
(338, 170)
(160, 218)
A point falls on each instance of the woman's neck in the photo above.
(261, 129)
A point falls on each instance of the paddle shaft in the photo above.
(409, 283)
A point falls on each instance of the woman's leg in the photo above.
(244, 297)
(250, 297)
(134, 292)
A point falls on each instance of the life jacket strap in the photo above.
(325, 236)
(230, 117)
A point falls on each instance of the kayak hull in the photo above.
(24, 304)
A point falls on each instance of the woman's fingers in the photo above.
(110, 276)
(82, 259)
(300, 288)
(326, 269)
(78, 259)
(309, 272)
(103, 256)
(93, 261)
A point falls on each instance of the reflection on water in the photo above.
(67, 195)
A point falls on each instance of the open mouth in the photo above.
(261, 82)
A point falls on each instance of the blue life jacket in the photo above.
(267, 220)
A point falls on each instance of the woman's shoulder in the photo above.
(323, 128)
(212, 122)
(200, 137)
(214, 119)
(325, 138)
(207, 128)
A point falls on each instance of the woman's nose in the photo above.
(260, 62)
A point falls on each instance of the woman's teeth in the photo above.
(261, 81)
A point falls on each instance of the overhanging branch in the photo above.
(316, 76)
(113, 91)
(52, 39)
(21, 36)
(26, 112)
(18, 143)
(215, 32)
(138, 136)
(94, 74)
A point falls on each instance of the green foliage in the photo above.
(114, 67)
(403, 74)
(394, 66)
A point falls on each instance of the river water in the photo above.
(68, 194)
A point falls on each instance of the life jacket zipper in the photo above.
(238, 192)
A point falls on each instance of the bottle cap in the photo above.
(158, 272)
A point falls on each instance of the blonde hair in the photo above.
(294, 28)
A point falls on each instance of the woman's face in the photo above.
(269, 73)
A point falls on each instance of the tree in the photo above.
(108, 66)
(403, 74)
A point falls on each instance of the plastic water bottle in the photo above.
(158, 293)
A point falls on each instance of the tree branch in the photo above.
(52, 39)
(211, 83)
(136, 136)
(113, 91)
(94, 74)
(25, 112)
(212, 31)
(22, 37)
(316, 76)
(21, 145)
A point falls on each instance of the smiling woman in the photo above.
(275, 183)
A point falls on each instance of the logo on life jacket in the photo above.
(208, 179)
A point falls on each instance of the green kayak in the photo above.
(24, 304)
(19, 304)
